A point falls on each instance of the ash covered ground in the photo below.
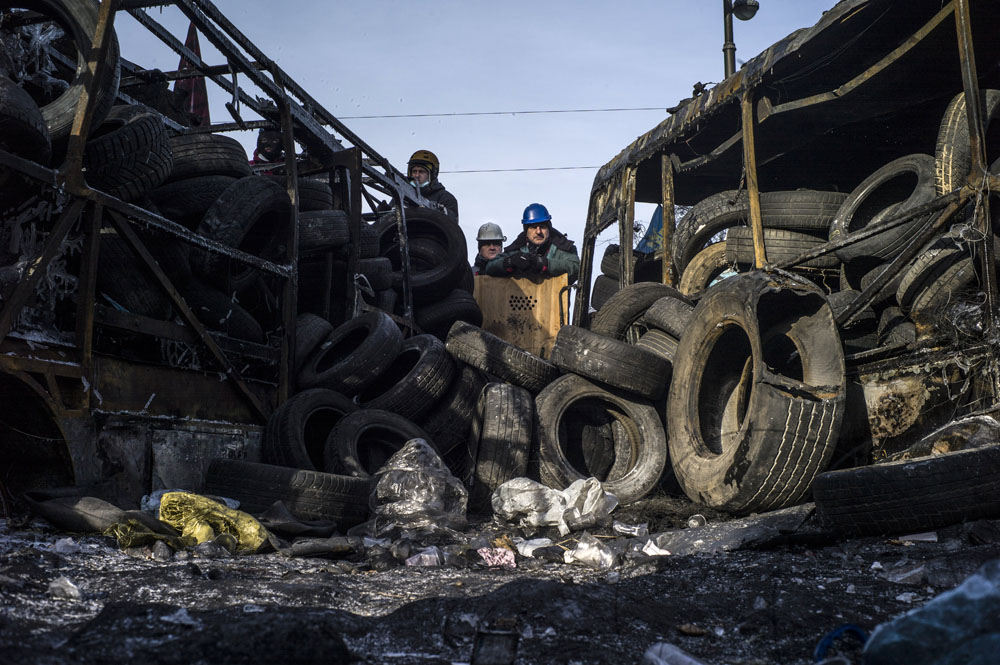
(769, 599)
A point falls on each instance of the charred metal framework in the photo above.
(821, 109)
(66, 382)
(797, 109)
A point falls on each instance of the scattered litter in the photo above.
(907, 597)
(634, 530)
(415, 490)
(497, 557)
(652, 549)
(692, 630)
(62, 587)
(759, 603)
(590, 552)
(526, 548)
(250, 608)
(432, 556)
(668, 654)
(927, 537)
(876, 566)
(696, 521)
(181, 618)
(66, 546)
(582, 505)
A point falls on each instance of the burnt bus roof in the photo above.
(868, 83)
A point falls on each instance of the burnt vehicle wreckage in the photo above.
(174, 317)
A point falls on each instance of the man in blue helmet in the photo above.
(539, 250)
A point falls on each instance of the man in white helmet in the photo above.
(491, 240)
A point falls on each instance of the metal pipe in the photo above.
(728, 45)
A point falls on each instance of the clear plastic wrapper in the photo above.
(415, 491)
(582, 505)
(590, 551)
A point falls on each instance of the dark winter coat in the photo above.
(559, 251)
(436, 193)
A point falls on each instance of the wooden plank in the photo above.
(522, 311)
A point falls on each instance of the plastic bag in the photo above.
(591, 552)
(414, 490)
(582, 505)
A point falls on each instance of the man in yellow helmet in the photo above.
(422, 170)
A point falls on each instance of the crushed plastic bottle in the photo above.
(591, 552)
(664, 653)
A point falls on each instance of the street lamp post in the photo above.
(744, 11)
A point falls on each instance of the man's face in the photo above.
(419, 174)
(269, 146)
(488, 249)
(537, 234)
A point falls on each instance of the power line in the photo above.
(541, 168)
(448, 115)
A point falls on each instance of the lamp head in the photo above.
(745, 10)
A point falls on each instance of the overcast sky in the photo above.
(376, 57)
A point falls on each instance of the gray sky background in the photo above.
(376, 57)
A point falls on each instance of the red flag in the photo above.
(197, 91)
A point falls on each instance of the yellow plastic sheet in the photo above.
(200, 519)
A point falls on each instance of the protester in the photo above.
(490, 239)
(270, 148)
(538, 251)
(422, 170)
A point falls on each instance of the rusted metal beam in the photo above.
(767, 109)
(404, 259)
(914, 247)
(626, 229)
(753, 191)
(289, 305)
(86, 292)
(37, 267)
(667, 234)
(123, 227)
(72, 170)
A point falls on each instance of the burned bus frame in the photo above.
(820, 109)
(66, 380)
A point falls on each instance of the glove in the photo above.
(517, 262)
(537, 263)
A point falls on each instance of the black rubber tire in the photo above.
(669, 314)
(310, 332)
(926, 309)
(702, 270)
(661, 344)
(252, 215)
(610, 261)
(569, 392)
(186, 201)
(604, 288)
(309, 495)
(501, 438)
(864, 321)
(895, 328)
(928, 268)
(414, 381)
(386, 300)
(297, 431)
(952, 152)
(313, 194)
(129, 153)
(907, 181)
(219, 311)
(354, 355)
(912, 495)
(887, 296)
(627, 307)
(126, 282)
(22, 127)
(322, 230)
(437, 318)
(434, 271)
(450, 421)
(363, 441)
(757, 394)
(802, 210)
(210, 154)
(499, 358)
(610, 361)
(78, 19)
(779, 245)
